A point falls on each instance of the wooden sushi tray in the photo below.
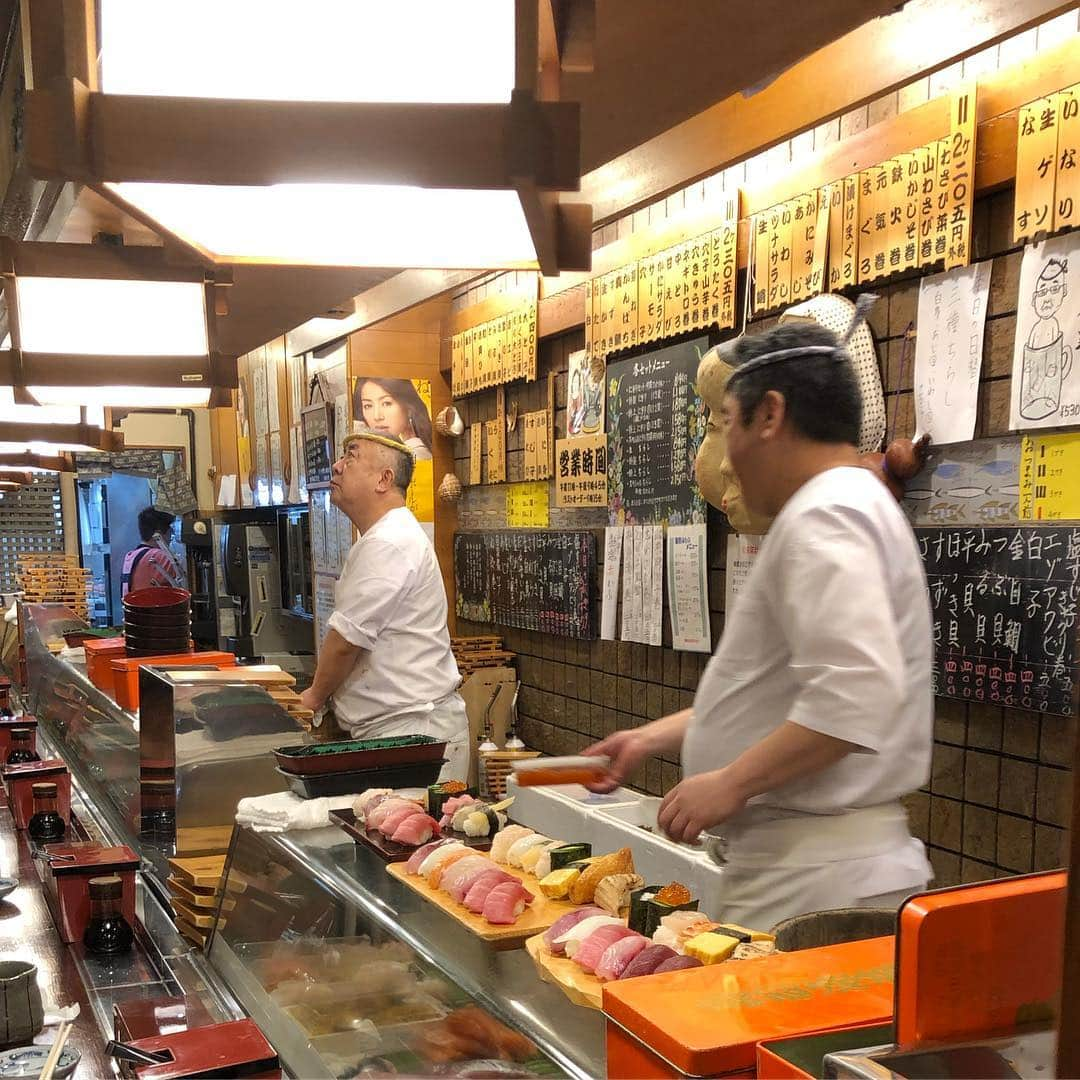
(578, 985)
(536, 918)
(389, 851)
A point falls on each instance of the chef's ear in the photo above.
(771, 413)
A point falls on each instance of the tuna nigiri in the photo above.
(677, 963)
(647, 961)
(519, 847)
(565, 923)
(477, 895)
(587, 952)
(617, 957)
(463, 866)
(415, 829)
(506, 902)
(421, 853)
(576, 934)
(438, 856)
(434, 879)
(501, 844)
(391, 821)
(463, 882)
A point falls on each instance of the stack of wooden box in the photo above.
(195, 888)
(474, 653)
(55, 579)
(280, 685)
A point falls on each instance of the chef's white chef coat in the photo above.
(390, 600)
(832, 631)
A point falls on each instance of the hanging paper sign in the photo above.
(1067, 183)
(527, 505)
(961, 178)
(928, 163)
(537, 427)
(317, 427)
(742, 550)
(1050, 477)
(496, 351)
(476, 453)
(688, 588)
(584, 397)
(1036, 169)
(581, 472)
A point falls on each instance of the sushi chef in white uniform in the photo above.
(386, 659)
(814, 717)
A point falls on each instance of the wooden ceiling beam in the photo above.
(865, 64)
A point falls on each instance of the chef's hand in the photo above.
(699, 803)
(627, 750)
(309, 701)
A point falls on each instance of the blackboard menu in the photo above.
(318, 426)
(1004, 602)
(656, 422)
(527, 580)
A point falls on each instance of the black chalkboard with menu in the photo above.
(1004, 604)
(318, 433)
(528, 580)
(656, 422)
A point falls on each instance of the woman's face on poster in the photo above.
(383, 413)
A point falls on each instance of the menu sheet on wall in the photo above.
(656, 422)
(742, 550)
(318, 443)
(1004, 606)
(609, 597)
(643, 584)
(688, 588)
(527, 505)
(1050, 477)
(948, 352)
(528, 580)
(323, 600)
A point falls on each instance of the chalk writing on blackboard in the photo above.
(656, 422)
(1004, 606)
(528, 580)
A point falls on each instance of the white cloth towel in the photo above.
(284, 811)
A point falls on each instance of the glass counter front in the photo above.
(349, 973)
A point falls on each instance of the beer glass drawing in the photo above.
(1047, 360)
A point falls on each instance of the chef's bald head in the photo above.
(384, 451)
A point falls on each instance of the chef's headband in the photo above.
(368, 435)
(835, 352)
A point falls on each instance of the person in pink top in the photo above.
(151, 563)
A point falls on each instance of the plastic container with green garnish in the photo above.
(355, 755)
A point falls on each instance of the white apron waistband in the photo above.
(813, 839)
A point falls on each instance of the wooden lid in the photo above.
(34, 770)
(709, 1020)
(91, 858)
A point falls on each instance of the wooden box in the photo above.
(20, 779)
(9, 722)
(235, 1048)
(67, 882)
(126, 671)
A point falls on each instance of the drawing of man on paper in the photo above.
(1047, 360)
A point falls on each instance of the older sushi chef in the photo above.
(814, 717)
(386, 659)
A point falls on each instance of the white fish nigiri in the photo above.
(437, 856)
(533, 855)
(519, 847)
(505, 838)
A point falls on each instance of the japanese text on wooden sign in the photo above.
(537, 444)
(1047, 169)
(497, 351)
(476, 453)
(581, 471)
(527, 505)
(683, 287)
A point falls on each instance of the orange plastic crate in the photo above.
(126, 671)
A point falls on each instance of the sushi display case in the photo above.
(348, 972)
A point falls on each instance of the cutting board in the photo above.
(536, 918)
(578, 985)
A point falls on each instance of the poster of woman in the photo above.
(584, 398)
(402, 407)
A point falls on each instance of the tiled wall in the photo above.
(998, 800)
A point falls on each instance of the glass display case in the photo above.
(349, 973)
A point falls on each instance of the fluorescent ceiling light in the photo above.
(59, 413)
(320, 50)
(99, 317)
(343, 224)
(45, 448)
(130, 397)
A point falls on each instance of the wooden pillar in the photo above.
(1068, 1025)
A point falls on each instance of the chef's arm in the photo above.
(337, 658)
(789, 753)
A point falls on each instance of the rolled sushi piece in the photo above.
(561, 856)
(617, 957)
(647, 961)
(484, 823)
(519, 847)
(506, 902)
(501, 844)
(415, 830)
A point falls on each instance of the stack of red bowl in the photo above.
(157, 622)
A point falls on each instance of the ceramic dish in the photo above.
(28, 1061)
(7, 886)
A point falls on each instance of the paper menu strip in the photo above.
(688, 588)
(609, 601)
(654, 599)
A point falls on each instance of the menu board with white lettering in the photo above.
(656, 422)
(529, 580)
(1004, 604)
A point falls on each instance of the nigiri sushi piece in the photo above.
(438, 856)
(455, 803)
(677, 963)
(506, 902)
(421, 853)
(434, 879)
(613, 892)
(483, 823)
(519, 847)
(452, 873)
(676, 929)
(368, 800)
(463, 882)
(616, 957)
(374, 818)
(389, 824)
(532, 856)
(567, 922)
(457, 820)
(586, 953)
(576, 934)
(415, 830)
(647, 961)
(544, 864)
(477, 895)
(505, 838)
